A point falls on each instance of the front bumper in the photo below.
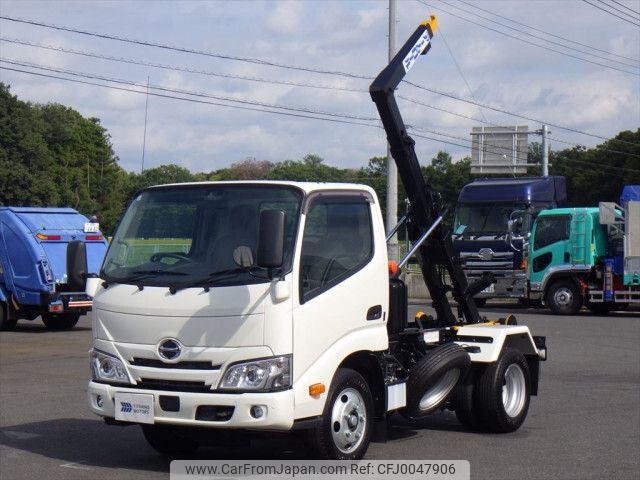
(509, 283)
(279, 407)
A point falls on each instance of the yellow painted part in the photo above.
(432, 22)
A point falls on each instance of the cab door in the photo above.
(342, 287)
(551, 245)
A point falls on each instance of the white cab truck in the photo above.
(271, 307)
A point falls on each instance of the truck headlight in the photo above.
(107, 367)
(258, 375)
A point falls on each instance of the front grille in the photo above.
(186, 365)
(173, 385)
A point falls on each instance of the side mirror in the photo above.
(271, 239)
(76, 265)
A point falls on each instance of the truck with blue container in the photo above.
(587, 256)
(33, 265)
(482, 238)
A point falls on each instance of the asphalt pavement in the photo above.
(584, 424)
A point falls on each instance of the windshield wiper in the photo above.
(140, 274)
(212, 278)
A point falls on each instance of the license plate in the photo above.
(490, 289)
(91, 227)
(134, 407)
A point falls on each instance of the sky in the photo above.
(466, 61)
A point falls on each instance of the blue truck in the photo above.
(482, 238)
(33, 265)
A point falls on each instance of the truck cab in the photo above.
(33, 264)
(587, 256)
(482, 236)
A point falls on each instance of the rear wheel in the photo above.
(168, 440)
(64, 321)
(564, 297)
(502, 392)
(347, 421)
(463, 402)
(6, 322)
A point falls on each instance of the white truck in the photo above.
(271, 306)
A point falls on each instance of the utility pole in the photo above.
(144, 135)
(392, 170)
(545, 151)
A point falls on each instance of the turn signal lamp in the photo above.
(524, 264)
(42, 236)
(316, 389)
(393, 268)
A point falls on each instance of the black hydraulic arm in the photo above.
(437, 251)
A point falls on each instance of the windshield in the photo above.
(186, 235)
(491, 219)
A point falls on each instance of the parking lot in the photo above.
(584, 424)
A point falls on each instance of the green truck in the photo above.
(587, 256)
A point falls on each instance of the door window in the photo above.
(338, 241)
(551, 230)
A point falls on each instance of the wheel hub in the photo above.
(514, 390)
(563, 297)
(439, 390)
(348, 420)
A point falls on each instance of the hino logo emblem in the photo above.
(169, 349)
(485, 254)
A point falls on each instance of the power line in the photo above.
(618, 10)
(611, 13)
(350, 75)
(242, 107)
(446, 44)
(205, 53)
(537, 37)
(590, 47)
(527, 41)
(144, 63)
(628, 8)
(305, 114)
(506, 112)
(185, 92)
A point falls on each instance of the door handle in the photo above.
(374, 313)
(567, 257)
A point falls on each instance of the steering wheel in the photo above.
(178, 256)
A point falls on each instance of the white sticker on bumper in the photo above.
(134, 407)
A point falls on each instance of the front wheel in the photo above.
(347, 421)
(502, 392)
(168, 440)
(64, 321)
(564, 297)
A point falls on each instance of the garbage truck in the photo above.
(269, 306)
(588, 256)
(33, 265)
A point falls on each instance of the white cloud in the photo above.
(287, 17)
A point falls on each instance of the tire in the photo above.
(6, 322)
(64, 321)
(168, 440)
(463, 402)
(600, 308)
(433, 378)
(502, 392)
(480, 302)
(347, 420)
(564, 297)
